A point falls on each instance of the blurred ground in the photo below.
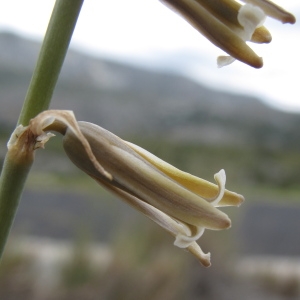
(82, 246)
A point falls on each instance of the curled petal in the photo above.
(185, 240)
(201, 187)
(220, 179)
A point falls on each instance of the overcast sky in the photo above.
(145, 32)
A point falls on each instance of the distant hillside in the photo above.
(256, 145)
(138, 102)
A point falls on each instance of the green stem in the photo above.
(38, 97)
(52, 54)
(11, 183)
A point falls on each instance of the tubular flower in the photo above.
(181, 203)
(228, 24)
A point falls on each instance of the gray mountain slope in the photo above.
(139, 102)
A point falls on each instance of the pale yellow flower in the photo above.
(181, 203)
(228, 24)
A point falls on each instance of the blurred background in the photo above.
(138, 70)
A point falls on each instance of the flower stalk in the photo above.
(17, 163)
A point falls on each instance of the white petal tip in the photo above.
(205, 260)
(223, 61)
(251, 17)
(221, 176)
(220, 179)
